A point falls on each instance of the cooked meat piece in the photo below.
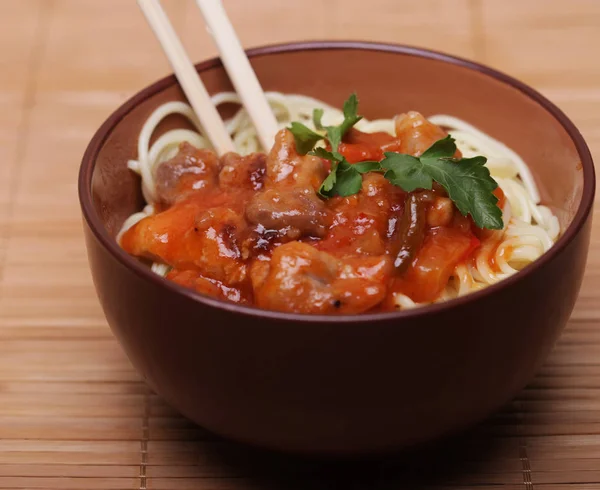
(441, 212)
(242, 172)
(188, 237)
(301, 279)
(416, 133)
(363, 283)
(164, 236)
(221, 233)
(360, 222)
(195, 280)
(297, 211)
(297, 279)
(286, 168)
(190, 170)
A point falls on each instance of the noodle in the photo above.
(530, 228)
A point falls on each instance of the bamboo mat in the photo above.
(75, 415)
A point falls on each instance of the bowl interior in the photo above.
(387, 83)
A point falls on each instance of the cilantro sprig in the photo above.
(466, 180)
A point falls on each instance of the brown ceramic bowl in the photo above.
(346, 385)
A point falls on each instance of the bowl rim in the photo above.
(97, 142)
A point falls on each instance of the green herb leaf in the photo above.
(317, 116)
(348, 181)
(351, 117)
(470, 185)
(364, 167)
(327, 155)
(406, 171)
(344, 179)
(444, 148)
(326, 189)
(467, 181)
(305, 138)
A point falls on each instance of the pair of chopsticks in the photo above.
(236, 63)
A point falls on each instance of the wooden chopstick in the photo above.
(240, 71)
(187, 76)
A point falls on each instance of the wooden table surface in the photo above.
(74, 414)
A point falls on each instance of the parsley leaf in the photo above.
(333, 156)
(467, 181)
(348, 180)
(304, 137)
(344, 179)
(317, 116)
(470, 186)
(364, 167)
(444, 148)
(326, 189)
(351, 117)
(405, 171)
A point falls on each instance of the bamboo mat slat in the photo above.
(73, 412)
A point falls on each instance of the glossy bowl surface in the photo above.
(346, 385)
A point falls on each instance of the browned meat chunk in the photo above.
(189, 171)
(299, 212)
(301, 279)
(416, 133)
(242, 172)
(189, 237)
(286, 168)
(441, 212)
(361, 222)
(297, 279)
(221, 231)
(211, 287)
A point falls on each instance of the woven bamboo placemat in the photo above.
(75, 415)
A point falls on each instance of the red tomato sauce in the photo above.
(253, 230)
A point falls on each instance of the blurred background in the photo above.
(73, 414)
